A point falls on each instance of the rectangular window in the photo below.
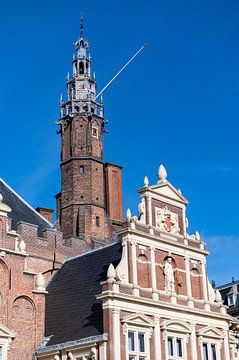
(175, 347)
(95, 132)
(170, 346)
(214, 352)
(141, 342)
(82, 169)
(209, 351)
(230, 300)
(97, 220)
(137, 347)
(205, 351)
(179, 347)
(131, 340)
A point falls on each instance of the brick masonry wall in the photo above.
(21, 309)
(114, 197)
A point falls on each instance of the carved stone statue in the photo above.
(169, 280)
(141, 209)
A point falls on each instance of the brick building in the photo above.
(144, 297)
(89, 213)
(134, 289)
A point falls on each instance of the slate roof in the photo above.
(72, 311)
(227, 289)
(21, 210)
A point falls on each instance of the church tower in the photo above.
(90, 202)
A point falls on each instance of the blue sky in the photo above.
(177, 104)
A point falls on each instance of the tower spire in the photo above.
(81, 25)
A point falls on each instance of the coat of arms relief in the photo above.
(166, 220)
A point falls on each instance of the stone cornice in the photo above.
(162, 240)
(110, 295)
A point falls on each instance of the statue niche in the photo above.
(172, 278)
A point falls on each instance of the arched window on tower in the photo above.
(81, 68)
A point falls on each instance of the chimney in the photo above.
(46, 213)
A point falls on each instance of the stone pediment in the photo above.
(165, 189)
(6, 333)
(138, 319)
(210, 332)
(176, 325)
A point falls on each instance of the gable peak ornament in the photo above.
(162, 173)
(128, 214)
(146, 181)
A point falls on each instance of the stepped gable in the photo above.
(72, 310)
(21, 210)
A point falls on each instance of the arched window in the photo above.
(196, 284)
(23, 309)
(81, 68)
(143, 271)
(24, 325)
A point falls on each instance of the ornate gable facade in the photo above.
(156, 300)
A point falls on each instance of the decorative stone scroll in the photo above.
(166, 220)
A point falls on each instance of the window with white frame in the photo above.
(138, 348)
(210, 351)
(231, 300)
(176, 348)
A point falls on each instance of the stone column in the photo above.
(204, 280)
(157, 339)
(134, 267)
(149, 210)
(226, 346)
(116, 334)
(193, 340)
(188, 281)
(153, 273)
(204, 285)
(102, 351)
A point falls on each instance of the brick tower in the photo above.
(90, 202)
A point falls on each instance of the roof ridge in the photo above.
(25, 202)
(89, 252)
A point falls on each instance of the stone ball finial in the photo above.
(111, 273)
(56, 357)
(40, 282)
(162, 173)
(146, 181)
(180, 192)
(1, 198)
(128, 214)
(197, 236)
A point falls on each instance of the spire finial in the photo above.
(81, 25)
